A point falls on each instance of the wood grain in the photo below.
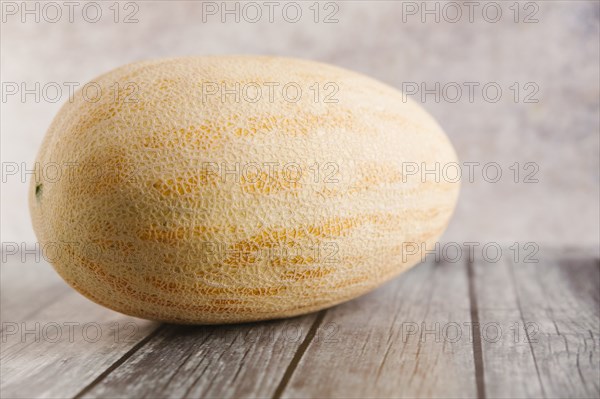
(466, 329)
(558, 299)
(56, 343)
(508, 363)
(395, 342)
(246, 360)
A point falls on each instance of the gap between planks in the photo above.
(476, 331)
(278, 391)
(298, 355)
(119, 362)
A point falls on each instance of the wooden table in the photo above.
(463, 329)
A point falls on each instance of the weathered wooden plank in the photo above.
(406, 339)
(559, 299)
(54, 341)
(538, 336)
(245, 360)
(509, 368)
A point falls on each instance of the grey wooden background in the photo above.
(442, 329)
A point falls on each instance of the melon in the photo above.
(227, 189)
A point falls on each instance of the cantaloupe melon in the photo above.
(237, 188)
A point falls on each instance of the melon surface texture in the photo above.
(179, 202)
